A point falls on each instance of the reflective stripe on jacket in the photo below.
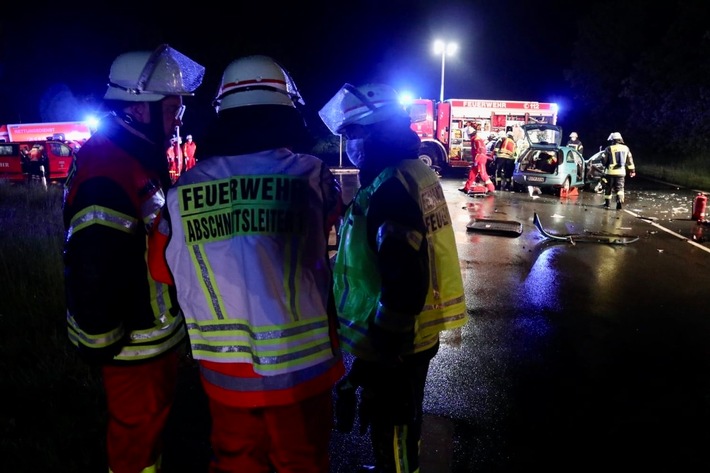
(357, 280)
(248, 252)
(115, 310)
(506, 149)
(618, 159)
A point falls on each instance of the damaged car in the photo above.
(546, 164)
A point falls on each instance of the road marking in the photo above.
(698, 245)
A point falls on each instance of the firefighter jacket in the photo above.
(505, 148)
(478, 146)
(248, 252)
(188, 152)
(617, 159)
(115, 311)
(397, 268)
(576, 144)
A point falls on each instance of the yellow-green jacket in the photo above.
(397, 229)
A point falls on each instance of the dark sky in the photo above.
(507, 49)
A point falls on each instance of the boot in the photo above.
(618, 205)
(606, 204)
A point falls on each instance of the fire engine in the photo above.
(52, 145)
(440, 125)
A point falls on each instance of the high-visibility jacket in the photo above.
(248, 253)
(617, 159)
(505, 149)
(116, 312)
(358, 279)
(576, 144)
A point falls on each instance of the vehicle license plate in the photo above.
(535, 179)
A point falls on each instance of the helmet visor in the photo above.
(167, 72)
(342, 108)
(365, 105)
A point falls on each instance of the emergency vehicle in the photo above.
(440, 125)
(53, 143)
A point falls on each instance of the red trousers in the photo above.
(287, 439)
(478, 172)
(139, 398)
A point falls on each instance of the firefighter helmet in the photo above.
(365, 105)
(145, 76)
(615, 136)
(255, 80)
(573, 135)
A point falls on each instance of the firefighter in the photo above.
(397, 276)
(118, 317)
(490, 144)
(37, 159)
(505, 153)
(174, 154)
(188, 151)
(575, 142)
(478, 171)
(470, 131)
(269, 366)
(617, 160)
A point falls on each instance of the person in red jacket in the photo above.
(174, 156)
(118, 317)
(478, 172)
(188, 152)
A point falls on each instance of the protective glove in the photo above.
(632, 174)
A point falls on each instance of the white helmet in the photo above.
(615, 136)
(144, 76)
(256, 80)
(365, 105)
(573, 135)
(188, 137)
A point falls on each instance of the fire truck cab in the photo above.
(440, 125)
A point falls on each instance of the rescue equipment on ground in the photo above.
(497, 227)
(477, 190)
(699, 206)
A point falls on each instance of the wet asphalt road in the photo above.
(576, 357)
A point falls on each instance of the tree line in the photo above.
(644, 69)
